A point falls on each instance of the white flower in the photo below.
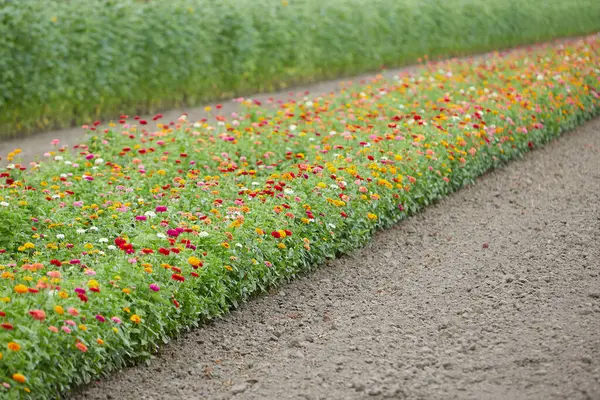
(150, 214)
(94, 228)
(101, 253)
(4, 204)
(308, 104)
(56, 196)
(103, 240)
(58, 158)
(10, 166)
(197, 124)
(288, 191)
(60, 236)
(203, 234)
(239, 245)
(334, 186)
(80, 231)
(255, 184)
(293, 128)
(98, 161)
(112, 247)
(161, 235)
(183, 117)
(68, 162)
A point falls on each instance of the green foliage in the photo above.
(70, 62)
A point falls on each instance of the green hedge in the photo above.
(67, 62)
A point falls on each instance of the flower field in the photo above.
(151, 227)
(70, 62)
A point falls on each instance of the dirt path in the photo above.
(492, 294)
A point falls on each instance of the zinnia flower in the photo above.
(38, 315)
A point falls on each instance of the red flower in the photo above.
(164, 252)
(95, 289)
(288, 233)
(7, 326)
(276, 234)
(55, 262)
(176, 303)
(178, 277)
(82, 297)
(343, 214)
(38, 315)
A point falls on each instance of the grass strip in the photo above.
(155, 227)
(71, 62)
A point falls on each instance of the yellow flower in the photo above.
(63, 295)
(259, 231)
(135, 319)
(59, 310)
(29, 245)
(228, 268)
(371, 216)
(93, 283)
(194, 261)
(19, 378)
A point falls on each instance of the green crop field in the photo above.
(71, 62)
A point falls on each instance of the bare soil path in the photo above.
(494, 293)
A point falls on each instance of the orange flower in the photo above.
(19, 378)
(81, 347)
(13, 346)
(135, 319)
(21, 289)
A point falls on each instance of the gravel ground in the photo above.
(494, 293)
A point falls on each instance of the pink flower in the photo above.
(116, 320)
(73, 311)
(100, 318)
(160, 209)
(141, 218)
(70, 322)
(53, 329)
(154, 287)
(66, 329)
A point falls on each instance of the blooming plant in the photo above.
(147, 229)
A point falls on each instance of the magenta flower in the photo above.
(154, 287)
(100, 318)
(160, 209)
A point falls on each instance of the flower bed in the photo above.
(66, 62)
(153, 227)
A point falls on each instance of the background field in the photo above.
(63, 63)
